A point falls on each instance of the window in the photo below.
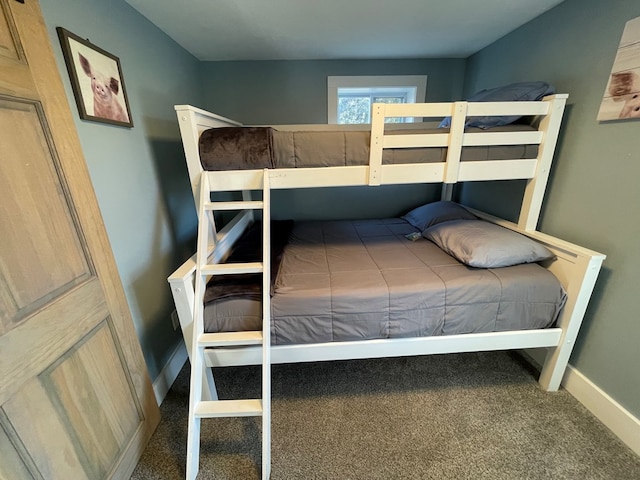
(350, 98)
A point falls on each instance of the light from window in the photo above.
(354, 104)
(351, 98)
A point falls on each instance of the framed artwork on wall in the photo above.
(97, 81)
(621, 98)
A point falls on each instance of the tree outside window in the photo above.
(357, 108)
(350, 99)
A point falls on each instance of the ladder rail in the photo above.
(266, 326)
(197, 360)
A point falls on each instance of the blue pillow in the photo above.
(523, 91)
(437, 212)
(482, 244)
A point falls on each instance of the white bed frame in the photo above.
(576, 267)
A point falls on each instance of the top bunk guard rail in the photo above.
(548, 115)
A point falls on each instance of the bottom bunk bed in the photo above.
(372, 279)
(378, 288)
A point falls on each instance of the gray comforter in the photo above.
(355, 280)
(246, 148)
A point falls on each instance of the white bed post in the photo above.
(182, 289)
(378, 114)
(534, 192)
(193, 121)
(447, 191)
(578, 293)
(454, 149)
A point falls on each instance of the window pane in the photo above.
(389, 100)
(352, 109)
(383, 88)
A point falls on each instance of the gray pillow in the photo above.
(437, 212)
(523, 91)
(486, 245)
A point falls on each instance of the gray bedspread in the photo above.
(356, 280)
(245, 148)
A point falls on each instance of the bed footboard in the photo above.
(577, 268)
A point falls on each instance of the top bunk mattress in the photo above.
(252, 148)
(360, 280)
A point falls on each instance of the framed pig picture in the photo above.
(97, 81)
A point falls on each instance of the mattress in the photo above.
(247, 148)
(359, 280)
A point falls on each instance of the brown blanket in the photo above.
(248, 248)
(237, 148)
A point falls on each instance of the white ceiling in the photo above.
(337, 29)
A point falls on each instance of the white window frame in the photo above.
(416, 85)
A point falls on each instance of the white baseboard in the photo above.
(167, 376)
(613, 415)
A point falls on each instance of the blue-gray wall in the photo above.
(139, 174)
(291, 92)
(592, 198)
(281, 92)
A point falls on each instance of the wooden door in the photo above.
(75, 397)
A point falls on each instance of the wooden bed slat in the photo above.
(501, 138)
(245, 205)
(476, 109)
(222, 339)
(429, 110)
(392, 347)
(497, 170)
(229, 408)
(416, 140)
(413, 173)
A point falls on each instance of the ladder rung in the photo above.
(239, 205)
(228, 339)
(230, 268)
(229, 408)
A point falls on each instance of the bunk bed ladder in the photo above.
(198, 408)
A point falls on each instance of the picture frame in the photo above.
(621, 99)
(97, 81)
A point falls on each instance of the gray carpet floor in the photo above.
(459, 416)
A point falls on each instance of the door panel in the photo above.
(75, 398)
(43, 338)
(42, 432)
(47, 258)
(8, 44)
(11, 464)
(85, 402)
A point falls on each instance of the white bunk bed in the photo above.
(576, 267)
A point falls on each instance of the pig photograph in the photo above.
(96, 79)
